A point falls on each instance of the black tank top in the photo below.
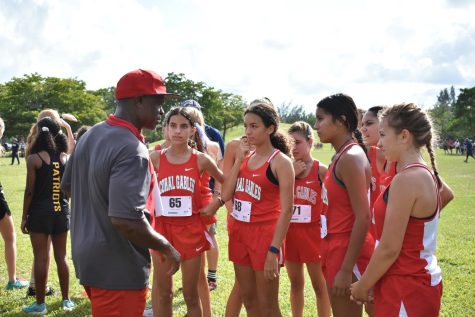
(48, 199)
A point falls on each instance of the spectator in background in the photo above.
(15, 149)
(457, 146)
(469, 149)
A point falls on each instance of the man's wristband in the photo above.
(274, 250)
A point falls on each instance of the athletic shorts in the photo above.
(397, 295)
(334, 247)
(249, 244)
(120, 303)
(4, 209)
(302, 243)
(190, 240)
(47, 224)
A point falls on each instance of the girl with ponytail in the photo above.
(403, 270)
(46, 209)
(346, 245)
(260, 185)
(179, 170)
(303, 242)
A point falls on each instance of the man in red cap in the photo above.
(111, 181)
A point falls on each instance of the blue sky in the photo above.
(379, 52)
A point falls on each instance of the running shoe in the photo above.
(17, 284)
(32, 292)
(35, 309)
(68, 305)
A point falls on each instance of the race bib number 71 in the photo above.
(301, 214)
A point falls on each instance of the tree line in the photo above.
(22, 98)
(453, 116)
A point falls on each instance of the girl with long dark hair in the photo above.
(346, 244)
(260, 184)
(46, 210)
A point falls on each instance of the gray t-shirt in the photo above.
(108, 176)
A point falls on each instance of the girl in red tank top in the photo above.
(179, 171)
(261, 187)
(403, 267)
(346, 245)
(302, 243)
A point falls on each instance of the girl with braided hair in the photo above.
(346, 245)
(403, 269)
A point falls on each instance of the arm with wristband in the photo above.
(283, 171)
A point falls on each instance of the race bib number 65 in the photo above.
(176, 206)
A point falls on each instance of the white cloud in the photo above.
(381, 52)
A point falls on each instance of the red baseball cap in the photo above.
(140, 83)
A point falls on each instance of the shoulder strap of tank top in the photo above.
(271, 157)
(42, 159)
(342, 151)
(431, 174)
(424, 167)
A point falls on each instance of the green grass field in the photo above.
(456, 249)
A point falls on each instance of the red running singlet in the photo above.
(417, 255)
(180, 189)
(307, 197)
(336, 201)
(256, 199)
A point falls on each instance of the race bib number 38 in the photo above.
(302, 214)
(176, 206)
(242, 210)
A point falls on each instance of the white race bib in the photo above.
(176, 206)
(242, 210)
(323, 226)
(302, 214)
